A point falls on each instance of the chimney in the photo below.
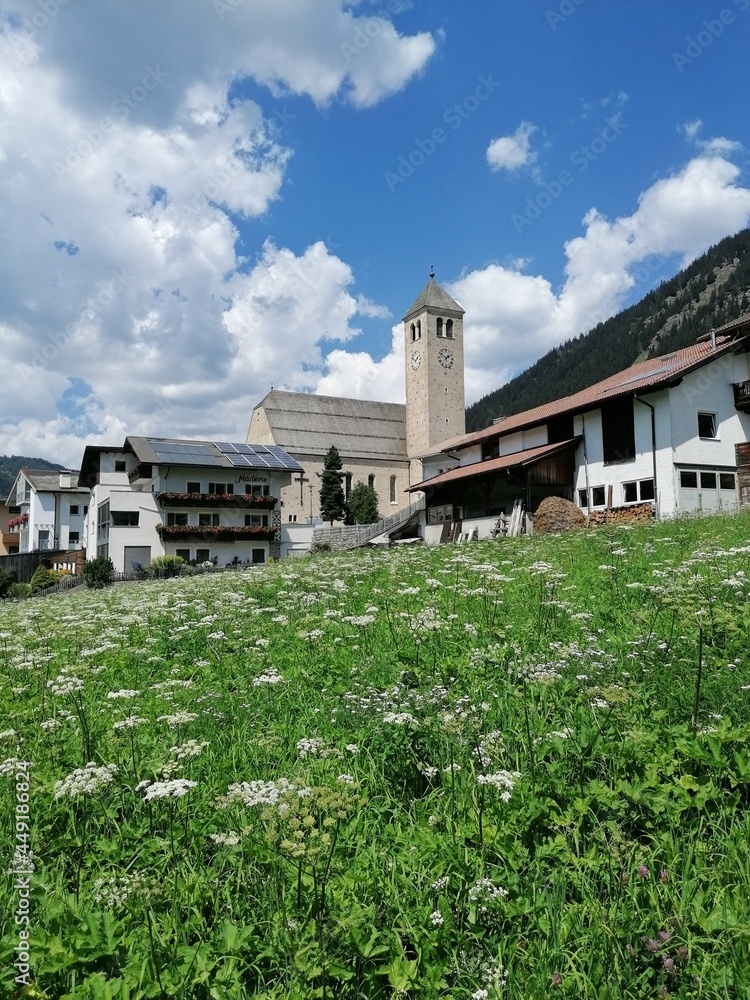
(64, 479)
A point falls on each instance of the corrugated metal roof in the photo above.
(433, 296)
(519, 458)
(305, 424)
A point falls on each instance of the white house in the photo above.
(52, 507)
(201, 500)
(672, 431)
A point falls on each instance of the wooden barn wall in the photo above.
(742, 452)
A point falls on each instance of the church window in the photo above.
(348, 484)
(449, 329)
(419, 329)
(371, 481)
(439, 327)
(413, 332)
(393, 489)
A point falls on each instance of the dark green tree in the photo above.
(332, 500)
(363, 504)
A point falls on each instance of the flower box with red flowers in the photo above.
(179, 532)
(18, 522)
(257, 500)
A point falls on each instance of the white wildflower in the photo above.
(85, 780)
(174, 789)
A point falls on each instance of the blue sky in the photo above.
(203, 200)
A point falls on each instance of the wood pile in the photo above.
(637, 513)
(554, 515)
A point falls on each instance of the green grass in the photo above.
(515, 769)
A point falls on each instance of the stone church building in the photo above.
(383, 445)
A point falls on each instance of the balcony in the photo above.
(238, 501)
(741, 396)
(185, 532)
(142, 473)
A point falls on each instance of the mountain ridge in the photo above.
(712, 290)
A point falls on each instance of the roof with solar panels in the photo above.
(222, 454)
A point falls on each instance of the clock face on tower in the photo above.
(415, 360)
(445, 358)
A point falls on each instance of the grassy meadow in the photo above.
(512, 769)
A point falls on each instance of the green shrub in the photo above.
(43, 578)
(98, 572)
(17, 590)
(166, 566)
(7, 579)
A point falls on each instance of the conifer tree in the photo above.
(332, 500)
(363, 504)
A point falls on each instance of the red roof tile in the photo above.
(642, 377)
(518, 458)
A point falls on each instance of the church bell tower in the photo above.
(434, 358)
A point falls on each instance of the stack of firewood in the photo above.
(637, 513)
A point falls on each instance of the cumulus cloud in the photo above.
(126, 160)
(717, 146)
(513, 318)
(511, 152)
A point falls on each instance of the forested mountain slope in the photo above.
(713, 290)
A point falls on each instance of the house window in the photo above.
(202, 555)
(449, 329)
(192, 487)
(85, 510)
(260, 520)
(125, 518)
(707, 425)
(583, 499)
(263, 489)
(120, 466)
(221, 488)
(688, 479)
(439, 327)
(436, 515)
(647, 489)
(597, 496)
(726, 481)
(708, 480)
(630, 492)
(74, 537)
(490, 449)
(44, 538)
(102, 529)
(292, 519)
(618, 431)
(371, 481)
(174, 520)
(74, 510)
(258, 556)
(208, 520)
(393, 489)
(183, 554)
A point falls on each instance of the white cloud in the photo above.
(717, 146)
(321, 48)
(120, 189)
(511, 152)
(513, 318)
